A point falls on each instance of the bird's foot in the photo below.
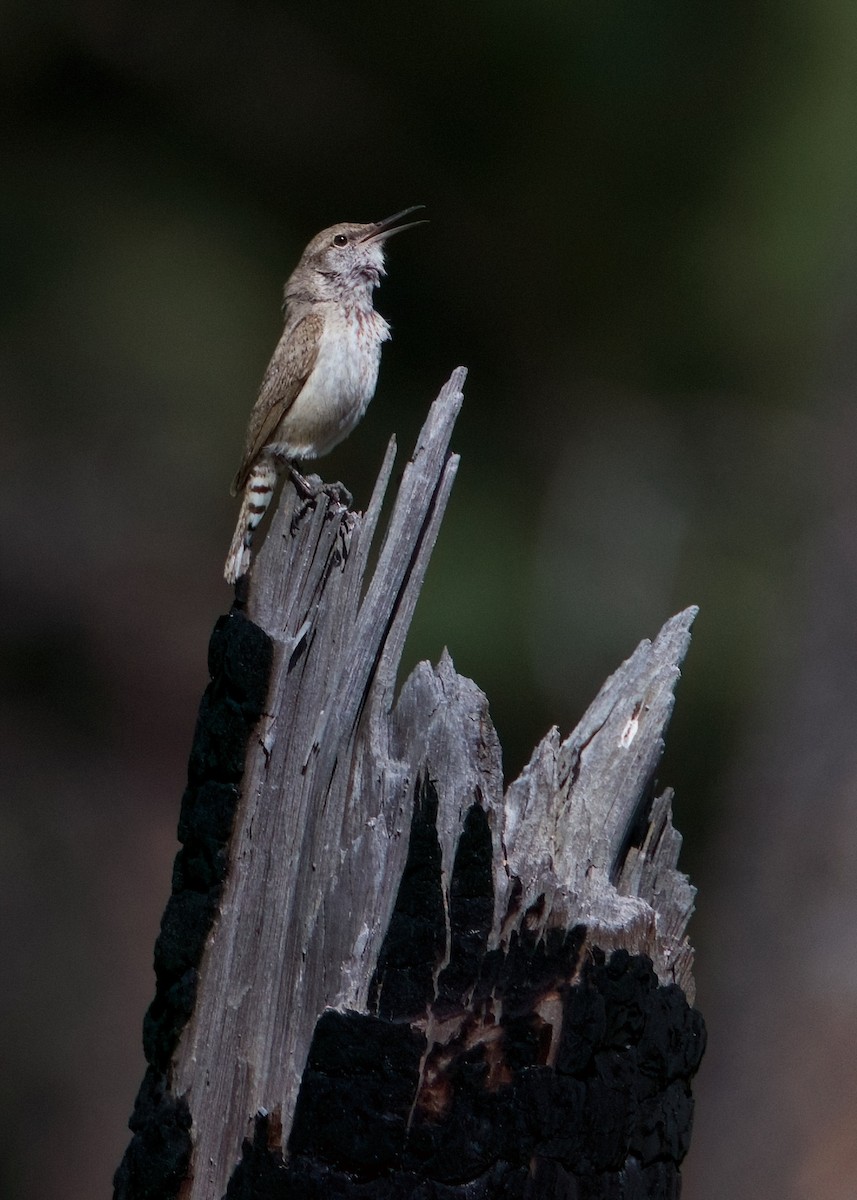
(338, 493)
(309, 490)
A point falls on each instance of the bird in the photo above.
(323, 371)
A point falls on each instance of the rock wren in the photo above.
(323, 372)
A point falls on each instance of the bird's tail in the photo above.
(258, 492)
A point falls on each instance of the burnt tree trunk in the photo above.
(379, 974)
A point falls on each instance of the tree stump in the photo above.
(379, 974)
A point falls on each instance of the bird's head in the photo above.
(346, 258)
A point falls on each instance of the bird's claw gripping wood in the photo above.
(310, 488)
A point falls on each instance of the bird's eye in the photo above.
(340, 240)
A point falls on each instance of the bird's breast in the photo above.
(340, 385)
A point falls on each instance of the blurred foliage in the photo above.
(641, 246)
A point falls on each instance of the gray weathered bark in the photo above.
(318, 834)
(320, 838)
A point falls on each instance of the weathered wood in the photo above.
(389, 966)
(318, 833)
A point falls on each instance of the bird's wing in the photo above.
(288, 370)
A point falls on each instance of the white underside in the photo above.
(337, 392)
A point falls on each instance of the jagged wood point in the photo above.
(380, 973)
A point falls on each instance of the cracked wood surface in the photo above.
(320, 838)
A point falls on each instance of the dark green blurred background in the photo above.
(642, 247)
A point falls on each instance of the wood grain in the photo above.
(382, 890)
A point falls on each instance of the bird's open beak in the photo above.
(386, 228)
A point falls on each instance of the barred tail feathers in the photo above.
(258, 493)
